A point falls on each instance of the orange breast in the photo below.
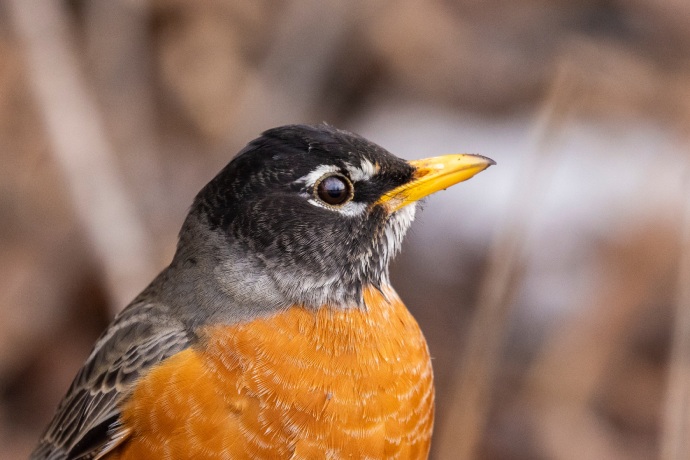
(300, 384)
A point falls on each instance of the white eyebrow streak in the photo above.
(310, 179)
(366, 170)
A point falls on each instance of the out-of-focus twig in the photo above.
(80, 147)
(675, 443)
(119, 46)
(461, 431)
(574, 360)
(563, 383)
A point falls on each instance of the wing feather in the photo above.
(86, 421)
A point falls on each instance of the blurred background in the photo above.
(553, 288)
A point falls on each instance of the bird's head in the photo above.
(310, 215)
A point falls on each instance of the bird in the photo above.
(275, 331)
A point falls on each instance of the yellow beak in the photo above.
(432, 175)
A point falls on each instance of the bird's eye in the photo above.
(334, 190)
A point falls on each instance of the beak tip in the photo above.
(489, 161)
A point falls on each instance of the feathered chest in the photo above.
(301, 384)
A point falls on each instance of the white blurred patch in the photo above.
(606, 181)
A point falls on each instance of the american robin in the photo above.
(274, 332)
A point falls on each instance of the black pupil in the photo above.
(334, 190)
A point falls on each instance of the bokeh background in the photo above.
(553, 288)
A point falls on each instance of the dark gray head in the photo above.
(304, 215)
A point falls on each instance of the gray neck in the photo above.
(226, 283)
(222, 284)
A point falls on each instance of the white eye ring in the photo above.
(334, 190)
(310, 184)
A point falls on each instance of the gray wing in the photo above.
(86, 420)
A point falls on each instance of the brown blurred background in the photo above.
(551, 288)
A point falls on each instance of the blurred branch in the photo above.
(75, 129)
(119, 50)
(675, 443)
(562, 383)
(462, 430)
